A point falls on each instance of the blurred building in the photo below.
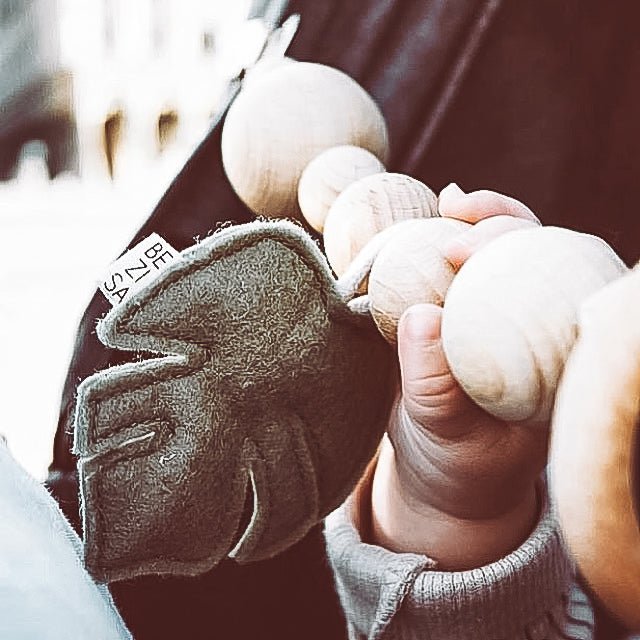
(111, 85)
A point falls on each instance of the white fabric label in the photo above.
(137, 268)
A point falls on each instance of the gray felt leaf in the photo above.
(266, 382)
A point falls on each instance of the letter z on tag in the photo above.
(137, 267)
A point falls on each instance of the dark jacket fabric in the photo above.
(534, 98)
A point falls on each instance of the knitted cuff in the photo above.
(400, 595)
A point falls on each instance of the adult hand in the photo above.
(451, 481)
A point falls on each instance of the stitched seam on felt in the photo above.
(162, 372)
(312, 501)
(329, 297)
(97, 526)
(155, 372)
(97, 518)
(164, 432)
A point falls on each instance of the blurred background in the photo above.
(101, 103)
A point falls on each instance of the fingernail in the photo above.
(449, 194)
(421, 322)
(452, 189)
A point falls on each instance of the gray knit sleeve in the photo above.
(527, 595)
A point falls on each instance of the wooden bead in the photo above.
(285, 117)
(509, 319)
(411, 269)
(368, 206)
(593, 463)
(327, 175)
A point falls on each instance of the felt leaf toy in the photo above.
(268, 384)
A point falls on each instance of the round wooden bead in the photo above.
(284, 118)
(368, 206)
(509, 318)
(327, 176)
(411, 269)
